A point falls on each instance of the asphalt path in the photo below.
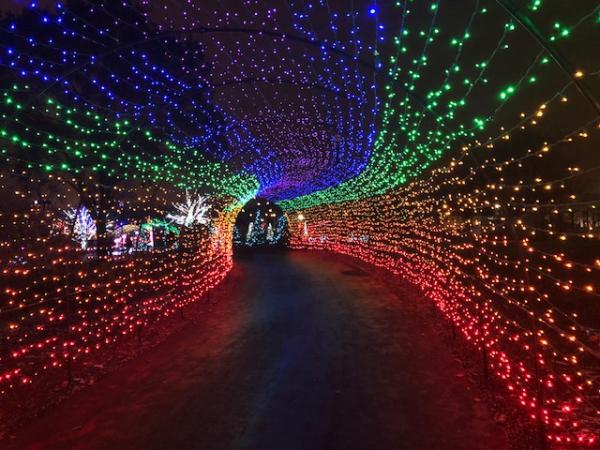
(296, 351)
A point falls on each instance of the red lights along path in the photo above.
(299, 350)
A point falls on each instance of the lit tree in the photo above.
(280, 231)
(256, 232)
(237, 236)
(194, 211)
(83, 225)
(249, 232)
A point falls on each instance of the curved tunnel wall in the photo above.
(500, 278)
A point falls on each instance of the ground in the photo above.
(299, 351)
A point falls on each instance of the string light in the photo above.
(453, 148)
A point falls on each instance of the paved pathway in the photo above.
(300, 351)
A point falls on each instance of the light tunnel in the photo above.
(452, 145)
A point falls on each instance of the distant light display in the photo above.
(456, 147)
(82, 225)
(261, 224)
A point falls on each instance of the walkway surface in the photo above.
(300, 351)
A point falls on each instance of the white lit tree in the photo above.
(237, 236)
(82, 224)
(249, 232)
(194, 211)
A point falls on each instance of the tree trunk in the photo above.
(103, 240)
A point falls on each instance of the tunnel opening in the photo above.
(261, 225)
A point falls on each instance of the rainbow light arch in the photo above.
(453, 146)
